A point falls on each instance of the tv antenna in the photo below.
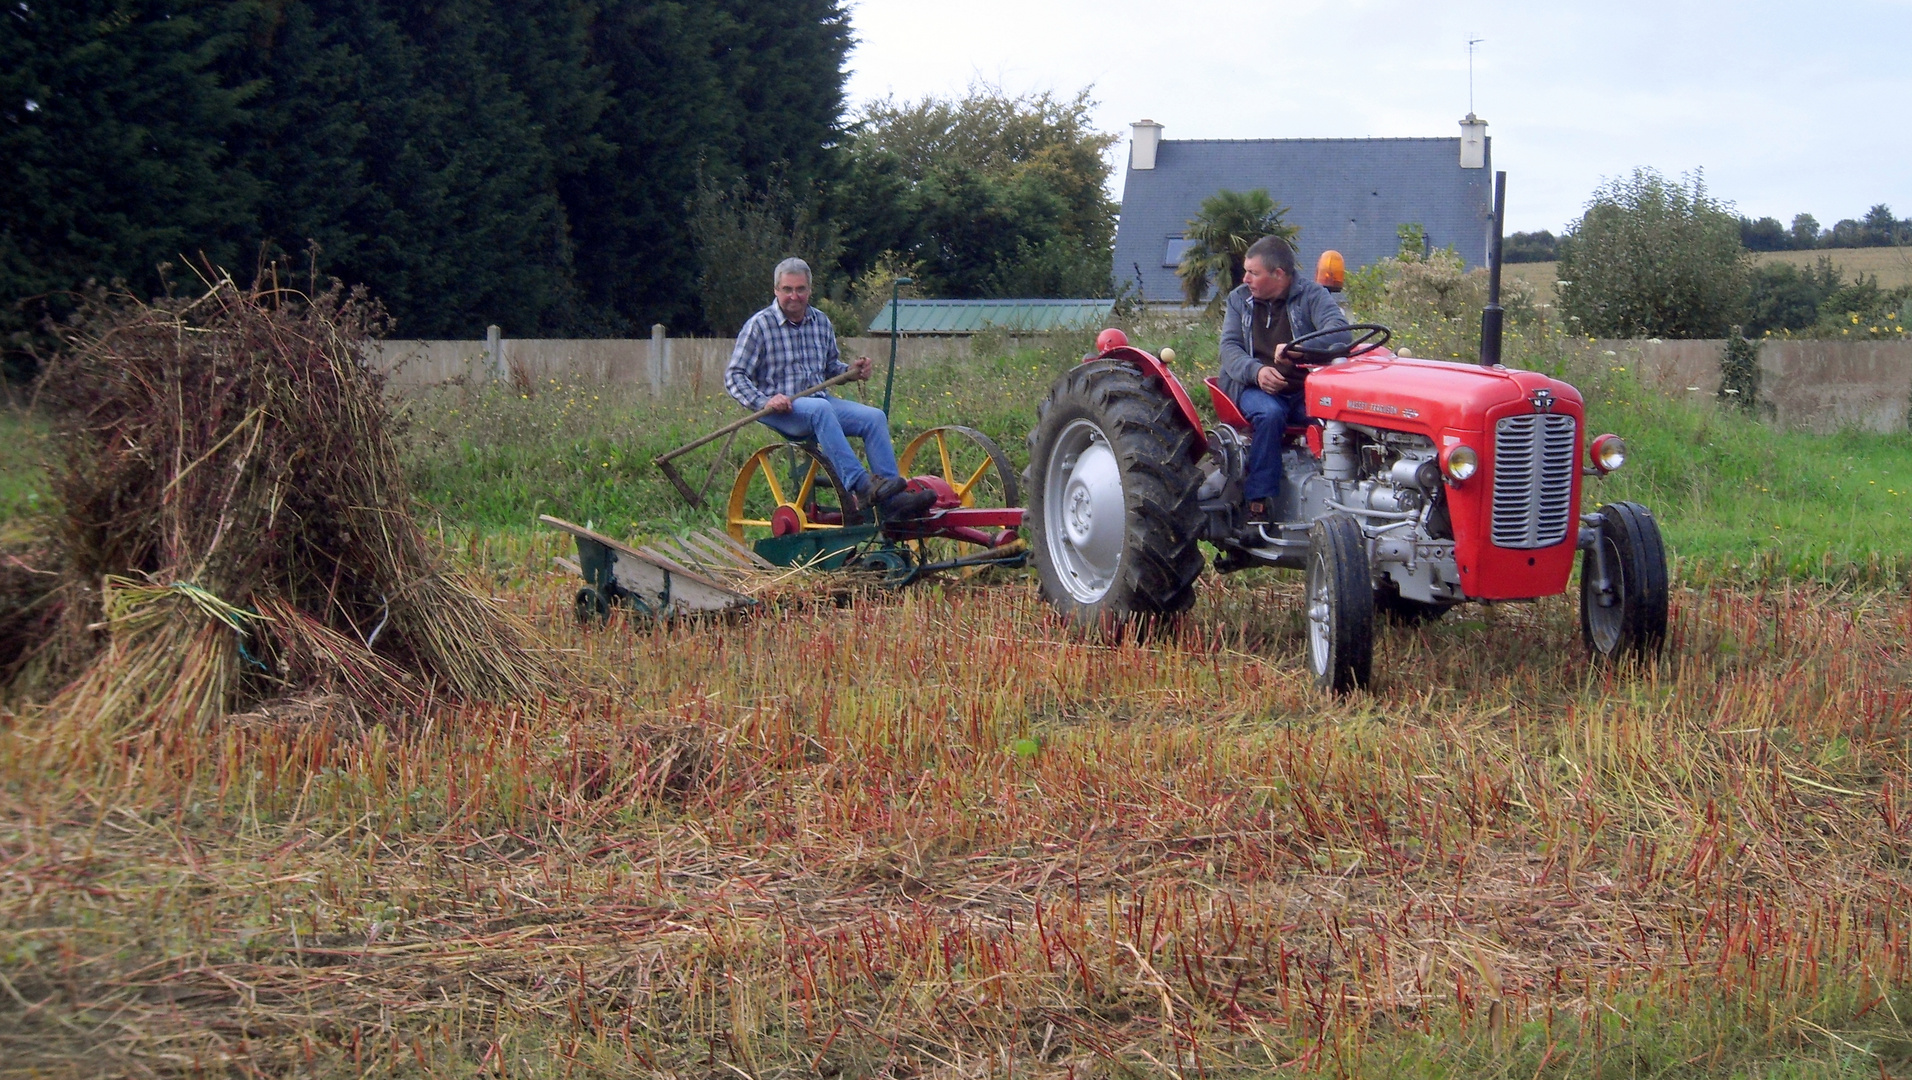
(1471, 43)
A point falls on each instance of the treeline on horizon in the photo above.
(557, 167)
(1877, 229)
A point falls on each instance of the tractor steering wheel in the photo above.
(1372, 337)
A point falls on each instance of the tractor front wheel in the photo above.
(1623, 611)
(1340, 605)
(1113, 516)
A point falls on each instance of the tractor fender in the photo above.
(1151, 365)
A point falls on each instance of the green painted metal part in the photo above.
(822, 549)
(595, 560)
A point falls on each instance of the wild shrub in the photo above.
(1652, 257)
(742, 234)
(1433, 304)
(1739, 373)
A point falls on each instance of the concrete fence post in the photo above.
(656, 359)
(495, 351)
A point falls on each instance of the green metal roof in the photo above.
(969, 316)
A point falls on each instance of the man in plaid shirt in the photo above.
(790, 346)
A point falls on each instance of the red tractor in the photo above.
(1415, 485)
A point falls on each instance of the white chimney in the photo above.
(1148, 135)
(1473, 142)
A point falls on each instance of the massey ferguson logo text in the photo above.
(1387, 409)
(1542, 400)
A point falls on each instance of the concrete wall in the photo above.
(669, 365)
(1818, 386)
(1826, 386)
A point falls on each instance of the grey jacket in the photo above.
(1310, 308)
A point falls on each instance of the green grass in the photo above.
(1734, 496)
(1738, 498)
(933, 826)
(23, 481)
(495, 459)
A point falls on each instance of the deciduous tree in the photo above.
(989, 195)
(1653, 257)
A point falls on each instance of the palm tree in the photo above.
(1219, 236)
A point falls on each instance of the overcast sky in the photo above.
(1787, 107)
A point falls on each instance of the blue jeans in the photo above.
(1270, 414)
(829, 420)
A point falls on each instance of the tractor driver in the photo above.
(1271, 307)
(790, 346)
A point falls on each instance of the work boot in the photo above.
(869, 494)
(878, 489)
(907, 503)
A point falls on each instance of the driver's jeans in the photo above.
(1271, 414)
(828, 420)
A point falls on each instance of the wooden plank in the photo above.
(715, 554)
(626, 549)
(681, 555)
(568, 564)
(659, 587)
(673, 565)
(750, 556)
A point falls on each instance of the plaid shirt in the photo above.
(776, 356)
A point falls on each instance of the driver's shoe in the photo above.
(905, 504)
(876, 489)
(868, 496)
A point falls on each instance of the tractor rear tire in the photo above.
(1340, 605)
(1113, 514)
(1632, 622)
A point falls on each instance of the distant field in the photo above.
(1892, 265)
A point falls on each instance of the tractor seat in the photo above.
(1225, 408)
(1229, 413)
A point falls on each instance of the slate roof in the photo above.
(1345, 194)
(969, 316)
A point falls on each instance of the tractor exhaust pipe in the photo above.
(1491, 315)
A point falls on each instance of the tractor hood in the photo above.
(1408, 393)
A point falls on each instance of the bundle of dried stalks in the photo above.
(31, 606)
(237, 526)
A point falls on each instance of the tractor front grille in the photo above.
(1533, 480)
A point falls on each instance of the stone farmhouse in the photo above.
(1351, 195)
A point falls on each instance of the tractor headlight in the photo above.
(1460, 462)
(1608, 452)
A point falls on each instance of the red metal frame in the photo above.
(1151, 365)
(1459, 404)
(1451, 404)
(989, 527)
(1225, 408)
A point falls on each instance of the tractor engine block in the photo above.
(1400, 499)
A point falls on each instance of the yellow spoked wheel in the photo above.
(975, 469)
(783, 489)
